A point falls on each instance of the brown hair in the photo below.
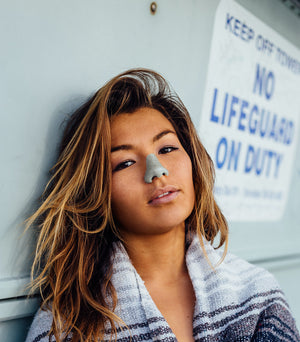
(77, 230)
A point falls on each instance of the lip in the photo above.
(163, 195)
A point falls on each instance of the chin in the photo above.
(165, 226)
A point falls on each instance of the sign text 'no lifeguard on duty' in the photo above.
(250, 115)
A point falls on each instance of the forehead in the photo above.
(143, 123)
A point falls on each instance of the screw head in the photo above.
(153, 7)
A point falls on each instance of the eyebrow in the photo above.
(127, 147)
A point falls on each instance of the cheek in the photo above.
(124, 195)
(186, 174)
(183, 168)
(127, 203)
(117, 193)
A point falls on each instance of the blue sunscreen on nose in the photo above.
(154, 168)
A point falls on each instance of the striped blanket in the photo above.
(236, 302)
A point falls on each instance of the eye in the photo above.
(124, 165)
(167, 149)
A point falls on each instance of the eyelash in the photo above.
(164, 150)
(123, 165)
(169, 148)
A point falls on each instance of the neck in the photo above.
(158, 257)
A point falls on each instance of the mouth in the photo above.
(163, 195)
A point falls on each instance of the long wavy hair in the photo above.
(72, 266)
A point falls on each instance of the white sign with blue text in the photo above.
(250, 116)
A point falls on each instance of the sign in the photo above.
(250, 115)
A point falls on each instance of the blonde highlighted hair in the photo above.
(72, 266)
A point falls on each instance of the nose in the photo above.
(154, 168)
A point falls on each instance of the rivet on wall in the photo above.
(153, 7)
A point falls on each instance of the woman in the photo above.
(126, 227)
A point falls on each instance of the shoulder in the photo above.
(40, 327)
(261, 293)
(234, 281)
(243, 298)
(274, 323)
(243, 269)
(251, 280)
(232, 273)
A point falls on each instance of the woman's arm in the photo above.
(276, 324)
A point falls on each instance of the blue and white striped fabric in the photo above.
(235, 302)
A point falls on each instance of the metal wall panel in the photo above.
(53, 55)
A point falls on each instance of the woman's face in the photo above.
(135, 203)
